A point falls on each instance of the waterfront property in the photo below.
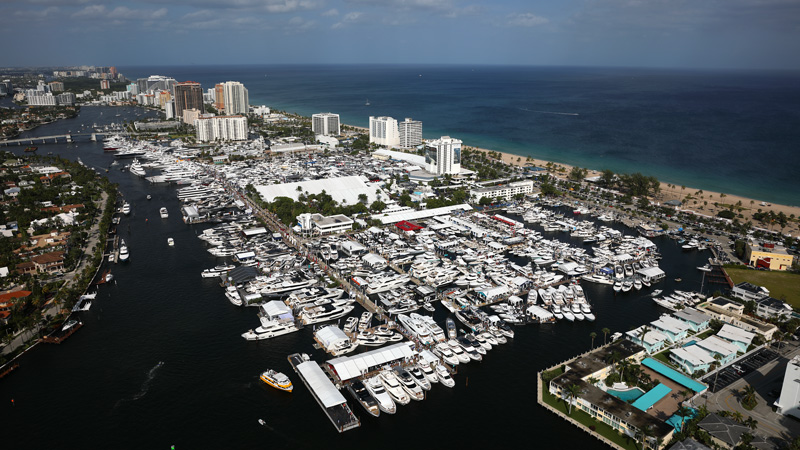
(673, 375)
(691, 358)
(653, 341)
(671, 327)
(696, 320)
(575, 387)
(731, 312)
(736, 336)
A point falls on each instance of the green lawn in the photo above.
(663, 357)
(781, 285)
(600, 427)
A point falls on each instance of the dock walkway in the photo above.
(325, 393)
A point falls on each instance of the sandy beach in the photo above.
(702, 202)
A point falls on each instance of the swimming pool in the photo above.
(628, 395)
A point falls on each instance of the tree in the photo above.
(378, 206)
(607, 178)
(751, 423)
(571, 394)
(577, 174)
(592, 335)
(362, 197)
(749, 400)
(605, 333)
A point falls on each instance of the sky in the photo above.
(739, 34)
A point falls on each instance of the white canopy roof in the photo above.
(275, 309)
(348, 367)
(331, 335)
(320, 384)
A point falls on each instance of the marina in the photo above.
(435, 267)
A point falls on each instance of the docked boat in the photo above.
(124, 254)
(393, 387)
(277, 380)
(381, 396)
(419, 376)
(126, 208)
(323, 313)
(462, 356)
(163, 212)
(707, 268)
(350, 324)
(444, 376)
(171, 242)
(108, 277)
(137, 169)
(409, 385)
(69, 324)
(363, 396)
(451, 328)
(446, 353)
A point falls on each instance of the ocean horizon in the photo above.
(731, 131)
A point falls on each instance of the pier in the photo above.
(59, 339)
(325, 393)
(59, 138)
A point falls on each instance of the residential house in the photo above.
(653, 341)
(692, 358)
(697, 320)
(717, 346)
(673, 328)
(736, 336)
(731, 312)
(49, 262)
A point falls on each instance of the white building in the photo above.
(443, 156)
(221, 128)
(235, 98)
(169, 109)
(789, 402)
(325, 124)
(41, 99)
(262, 111)
(410, 133)
(383, 131)
(506, 191)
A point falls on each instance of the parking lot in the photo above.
(764, 370)
(739, 369)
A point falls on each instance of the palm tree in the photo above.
(605, 333)
(613, 358)
(645, 433)
(571, 394)
(592, 335)
(751, 423)
(737, 416)
(749, 397)
(683, 412)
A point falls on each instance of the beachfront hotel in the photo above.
(326, 124)
(221, 128)
(443, 156)
(235, 98)
(410, 133)
(383, 131)
(506, 191)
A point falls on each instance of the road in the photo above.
(766, 379)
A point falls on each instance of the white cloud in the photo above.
(331, 13)
(120, 13)
(526, 20)
(348, 19)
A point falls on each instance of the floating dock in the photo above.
(324, 392)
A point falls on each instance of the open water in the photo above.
(732, 132)
(160, 360)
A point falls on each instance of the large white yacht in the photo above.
(408, 383)
(379, 393)
(387, 283)
(417, 328)
(444, 376)
(393, 387)
(276, 319)
(322, 313)
(123, 251)
(446, 353)
(137, 169)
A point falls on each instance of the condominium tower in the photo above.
(383, 131)
(443, 156)
(235, 98)
(410, 132)
(188, 95)
(325, 123)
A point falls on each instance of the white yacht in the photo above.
(462, 356)
(430, 374)
(123, 251)
(126, 208)
(417, 328)
(137, 169)
(322, 313)
(444, 376)
(171, 242)
(393, 387)
(446, 353)
(163, 212)
(385, 402)
(387, 283)
(407, 381)
(419, 376)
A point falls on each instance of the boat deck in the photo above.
(325, 393)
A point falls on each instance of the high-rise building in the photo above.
(221, 128)
(155, 83)
(56, 86)
(133, 88)
(66, 99)
(219, 97)
(383, 131)
(105, 84)
(443, 156)
(235, 98)
(188, 95)
(410, 132)
(169, 109)
(326, 124)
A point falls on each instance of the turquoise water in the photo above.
(627, 396)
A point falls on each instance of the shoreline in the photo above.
(674, 192)
(701, 204)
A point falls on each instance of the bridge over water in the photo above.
(59, 138)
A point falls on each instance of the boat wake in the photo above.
(549, 112)
(145, 386)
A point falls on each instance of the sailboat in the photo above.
(367, 103)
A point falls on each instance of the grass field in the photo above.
(780, 284)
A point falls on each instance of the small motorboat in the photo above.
(171, 242)
(261, 422)
(149, 197)
(109, 277)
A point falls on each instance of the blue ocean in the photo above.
(733, 132)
